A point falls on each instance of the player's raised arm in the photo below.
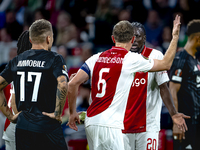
(167, 60)
(74, 84)
(3, 103)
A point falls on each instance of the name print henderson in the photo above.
(108, 60)
(30, 63)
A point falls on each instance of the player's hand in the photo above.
(71, 77)
(73, 119)
(52, 115)
(177, 133)
(176, 27)
(14, 118)
(179, 120)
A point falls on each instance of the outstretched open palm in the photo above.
(176, 26)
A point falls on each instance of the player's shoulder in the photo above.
(55, 56)
(182, 54)
(157, 54)
(94, 57)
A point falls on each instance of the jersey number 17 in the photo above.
(29, 79)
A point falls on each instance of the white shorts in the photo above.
(141, 141)
(104, 138)
(9, 137)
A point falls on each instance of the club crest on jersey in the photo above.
(145, 57)
(65, 67)
(64, 71)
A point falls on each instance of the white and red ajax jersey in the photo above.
(112, 73)
(144, 101)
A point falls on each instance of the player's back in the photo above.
(112, 73)
(35, 89)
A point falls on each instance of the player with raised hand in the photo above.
(112, 73)
(142, 116)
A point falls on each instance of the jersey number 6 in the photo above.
(102, 81)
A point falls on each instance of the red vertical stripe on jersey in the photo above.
(135, 115)
(111, 76)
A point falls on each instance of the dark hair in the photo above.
(45, 13)
(39, 30)
(193, 27)
(139, 25)
(23, 43)
(123, 32)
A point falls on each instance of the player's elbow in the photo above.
(167, 67)
(63, 86)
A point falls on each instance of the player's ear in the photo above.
(132, 40)
(48, 39)
(144, 38)
(30, 40)
(198, 39)
(113, 39)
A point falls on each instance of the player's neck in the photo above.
(189, 47)
(39, 46)
(123, 45)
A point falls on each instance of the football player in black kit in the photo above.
(40, 80)
(185, 89)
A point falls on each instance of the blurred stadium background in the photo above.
(83, 28)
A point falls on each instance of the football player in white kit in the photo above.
(111, 73)
(142, 116)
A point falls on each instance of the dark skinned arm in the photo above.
(178, 118)
(174, 88)
(13, 104)
(3, 103)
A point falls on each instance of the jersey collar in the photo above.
(118, 48)
(146, 51)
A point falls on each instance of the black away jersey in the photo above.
(186, 71)
(35, 73)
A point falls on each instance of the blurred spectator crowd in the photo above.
(84, 27)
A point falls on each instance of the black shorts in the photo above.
(192, 138)
(28, 140)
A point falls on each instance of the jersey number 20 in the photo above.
(36, 85)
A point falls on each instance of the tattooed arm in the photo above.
(60, 98)
(61, 95)
(3, 103)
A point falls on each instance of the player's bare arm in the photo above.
(13, 104)
(167, 60)
(60, 98)
(3, 103)
(74, 84)
(178, 118)
(174, 88)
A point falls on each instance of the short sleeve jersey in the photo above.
(112, 73)
(186, 71)
(34, 74)
(144, 102)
